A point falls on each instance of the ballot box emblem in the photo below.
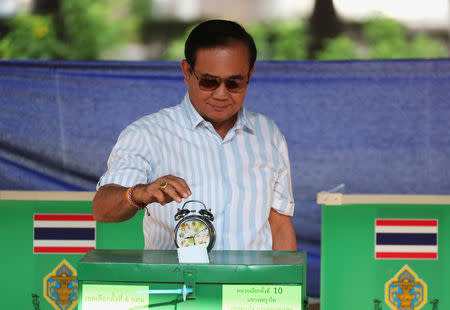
(61, 287)
(406, 291)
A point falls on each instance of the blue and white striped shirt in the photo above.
(240, 178)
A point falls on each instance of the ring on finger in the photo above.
(163, 186)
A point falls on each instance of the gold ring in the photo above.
(163, 186)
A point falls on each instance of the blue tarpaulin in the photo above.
(375, 126)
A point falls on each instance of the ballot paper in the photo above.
(196, 254)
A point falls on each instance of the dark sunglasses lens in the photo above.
(233, 85)
(209, 84)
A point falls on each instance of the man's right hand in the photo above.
(110, 203)
(163, 190)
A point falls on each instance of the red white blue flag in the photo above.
(406, 238)
(63, 233)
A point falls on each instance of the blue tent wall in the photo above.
(376, 126)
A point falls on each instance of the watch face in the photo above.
(192, 231)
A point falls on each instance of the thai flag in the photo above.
(63, 233)
(406, 239)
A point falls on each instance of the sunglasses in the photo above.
(212, 83)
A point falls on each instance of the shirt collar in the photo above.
(196, 119)
(243, 121)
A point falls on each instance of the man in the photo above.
(208, 148)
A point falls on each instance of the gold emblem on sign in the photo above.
(405, 291)
(61, 287)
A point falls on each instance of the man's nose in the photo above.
(221, 91)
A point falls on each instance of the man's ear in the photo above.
(186, 68)
(251, 72)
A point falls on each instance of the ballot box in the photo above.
(385, 252)
(154, 279)
(45, 234)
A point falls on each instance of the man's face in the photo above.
(218, 106)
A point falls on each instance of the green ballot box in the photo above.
(44, 236)
(154, 279)
(385, 252)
